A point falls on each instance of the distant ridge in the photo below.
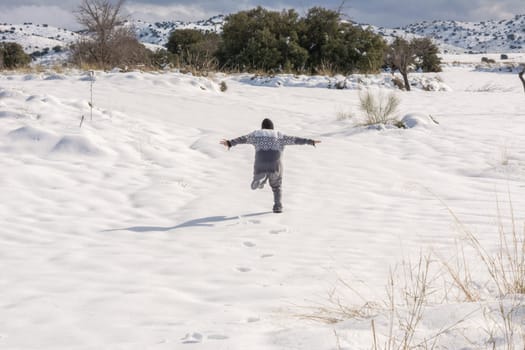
(475, 37)
(502, 36)
(158, 32)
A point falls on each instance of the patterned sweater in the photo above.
(269, 145)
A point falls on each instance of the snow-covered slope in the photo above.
(158, 32)
(37, 37)
(137, 230)
(486, 36)
(452, 36)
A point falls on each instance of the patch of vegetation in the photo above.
(12, 56)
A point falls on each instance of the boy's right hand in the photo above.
(226, 143)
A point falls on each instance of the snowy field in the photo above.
(138, 230)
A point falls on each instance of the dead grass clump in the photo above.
(506, 265)
(378, 108)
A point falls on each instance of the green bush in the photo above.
(12, 56)
(259, 39)
(319, 34)
(181, 40)
(426, 55)
(194, 48)
(272, 41)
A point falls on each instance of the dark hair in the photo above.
(267, 124)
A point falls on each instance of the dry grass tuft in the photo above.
(378, 108)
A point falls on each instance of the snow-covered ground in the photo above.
(138, 230)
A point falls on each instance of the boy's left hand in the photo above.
(225, 143)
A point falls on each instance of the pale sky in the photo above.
(388, 13)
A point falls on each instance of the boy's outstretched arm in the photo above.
(236, 141)
(293, 140)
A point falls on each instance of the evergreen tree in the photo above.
(272, 41)
(319, 36)
(259, 39)
(426, 53)
(193, 48)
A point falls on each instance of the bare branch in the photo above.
(520, 74)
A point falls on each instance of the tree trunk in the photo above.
(405, 79)
(521, 77)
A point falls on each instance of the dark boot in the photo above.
(277, 206)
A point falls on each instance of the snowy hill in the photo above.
(158, 32)
(451, 36)
(43, 37)
(37, 37)
(478, 37)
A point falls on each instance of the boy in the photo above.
(269, 145)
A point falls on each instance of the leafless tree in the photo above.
(110, 43)
(100, 17)
(341, 7)
(400, 57)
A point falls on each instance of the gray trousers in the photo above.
(275, 179)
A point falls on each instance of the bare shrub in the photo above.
(502, 322)
(108, 44)
(506, 266)
(378, 108)
(337, 309)
(121, 49)
(458, 269)
(501, 296)
(415, 290)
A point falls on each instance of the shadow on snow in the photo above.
(209, 221)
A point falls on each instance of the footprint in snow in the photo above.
(249, 244)
(266, 256)
(192, 338)
(218, 337)
(277, 231)
(244, 269)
